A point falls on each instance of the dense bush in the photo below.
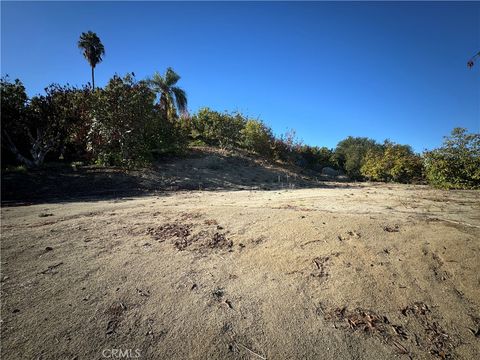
(286, 146)
(315, 157)
(13, 110)
(350, 154)
(121, 124)
(456, 165)
(122, 113)
(218, 129)
(32, 129)
(129, 127)
(392, 162)
(258, 137)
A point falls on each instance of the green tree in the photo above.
(172, 98)
(14, 111)
(286, 146)
(315, 157)
(122, 114)
(392, 162)
(218, 129)
(257, 137)
(93, 50)
(33, 128)
(350, 154)
(455, 165)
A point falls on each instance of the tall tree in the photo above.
(172, 97)
(93, 50)
(32, 128)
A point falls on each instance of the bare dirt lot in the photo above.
(346, 271)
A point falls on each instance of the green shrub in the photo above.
(120, 124)
(76, 144)
(392, 162)
(40, 126)
(218, 129)
(350, 154)
(257, 137)
(13, 111)
(123, 113)
(286, 146)
(16, 168)
(166, 136)
(315, 157)
(455, 165)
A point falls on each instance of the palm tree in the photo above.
(171, 97)
(93, 50)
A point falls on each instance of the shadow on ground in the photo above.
(202, 169)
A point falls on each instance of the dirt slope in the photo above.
(201, 168)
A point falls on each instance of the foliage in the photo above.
(13, 108)
(257, 137)
(167, 136)
(76, 144)
(16, 169)
(122, 112)
(38, 126)
(128, 127)
(350, 154)
(392, 162)
(218, 129)
(14, 105)
(286, 145)
(128, 122)
(120, 124)
(172, 97)
(316, 157)
(455, 165)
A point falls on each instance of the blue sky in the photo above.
(328, 70)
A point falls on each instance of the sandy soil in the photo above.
(348, 271)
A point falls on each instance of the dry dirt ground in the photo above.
(346, 271)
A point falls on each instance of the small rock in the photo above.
(44, 214)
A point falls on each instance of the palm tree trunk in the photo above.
(93, 79)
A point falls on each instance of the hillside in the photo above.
(202, 168)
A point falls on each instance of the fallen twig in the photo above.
(459, 223)
(251, 351)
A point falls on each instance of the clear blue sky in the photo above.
(328, 70)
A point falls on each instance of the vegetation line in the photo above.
(131, 123)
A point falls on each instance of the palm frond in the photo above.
(171, 77)
(157, 83)
(157, 79)
(93, 49)
(180, 99)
